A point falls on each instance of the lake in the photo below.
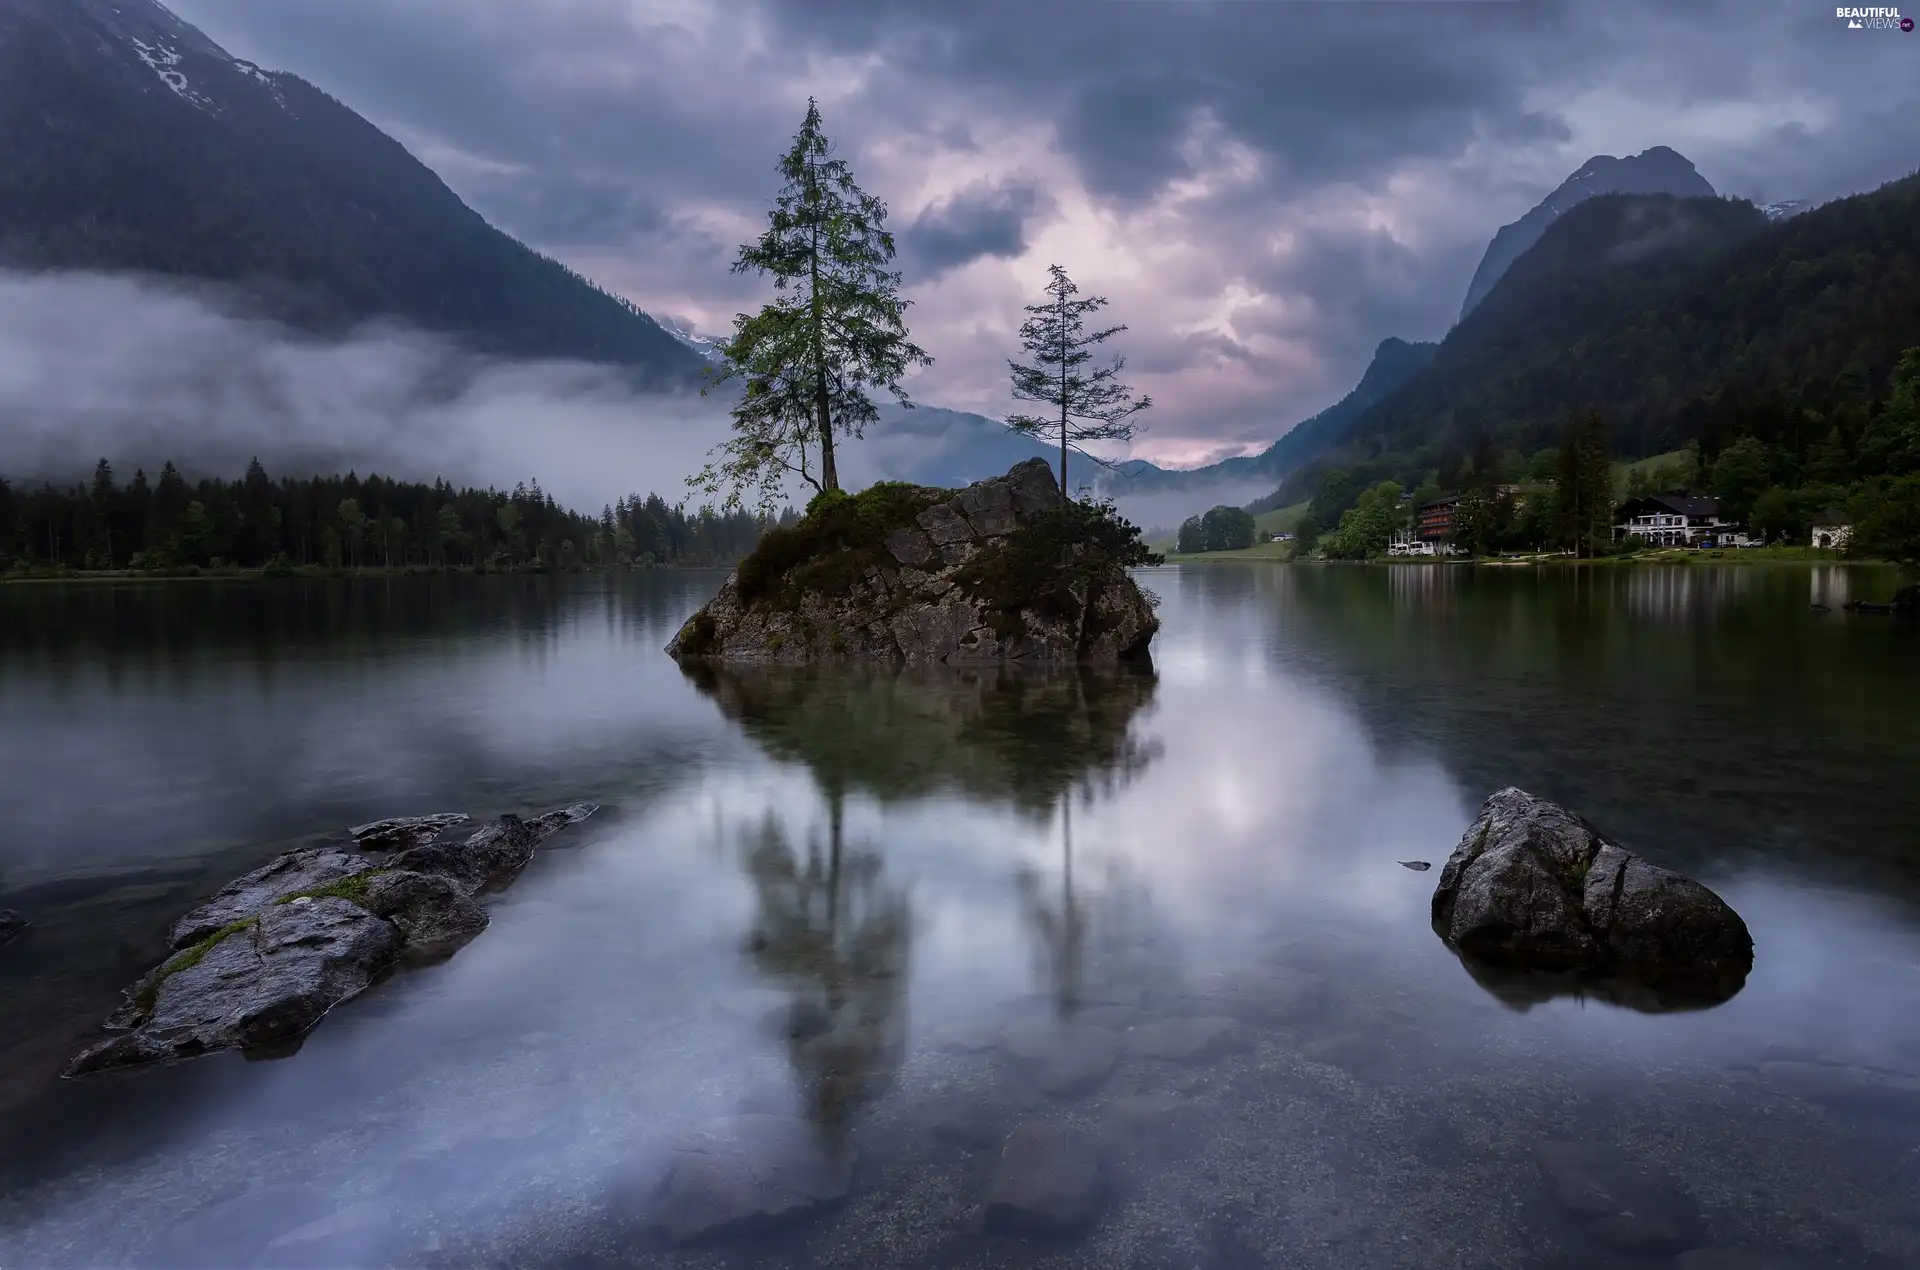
(860, 909)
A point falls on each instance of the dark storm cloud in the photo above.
(981, 220)
(1265, 189)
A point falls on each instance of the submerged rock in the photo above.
(1048, 1182)
(267, 957)
(1534, 892)
(1062, 1059)
(1628, 1206)
(12, 926)
(1197, 1040)
(999, 571)
(745, 1172)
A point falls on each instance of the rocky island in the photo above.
(262, 961)
(1004, 570)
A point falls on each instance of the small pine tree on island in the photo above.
(1085, 405)
(835, 330)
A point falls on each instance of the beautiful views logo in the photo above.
(1873, 19)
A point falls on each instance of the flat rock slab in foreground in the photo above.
(746, 1172)
(1533, 888)
(1000, 571)
(265, 959)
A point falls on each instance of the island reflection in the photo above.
(831, 930)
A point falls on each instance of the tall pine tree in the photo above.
(835, 331)
(1585, 480)
(1084, 405)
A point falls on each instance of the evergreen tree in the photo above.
(1091, 405)
(836, 330)
(104, 499)
(1585, 481)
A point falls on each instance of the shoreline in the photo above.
(322, 573)
(1748, 558)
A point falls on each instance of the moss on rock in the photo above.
(148, 992)
(833, 546)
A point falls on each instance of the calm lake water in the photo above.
(833, 896)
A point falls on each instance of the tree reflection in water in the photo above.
(836, 935)
(830, 928)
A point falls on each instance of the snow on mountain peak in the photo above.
(164, 61)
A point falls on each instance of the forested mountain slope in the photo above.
(1678, 319)
(129, 141)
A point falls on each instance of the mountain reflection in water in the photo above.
(843, 935)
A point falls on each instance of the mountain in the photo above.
(1785, 208)
(1656, 171)
(1678, 319)
(710, 348)
(129, 141)
(931, 446)
(1395, 362)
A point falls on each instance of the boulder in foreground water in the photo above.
(263, 961)
(12, 926)
(1532, 888)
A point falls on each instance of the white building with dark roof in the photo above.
(1677, 519)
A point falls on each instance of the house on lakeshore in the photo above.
(1831, 530)
(1677, 519)
(1435, 521)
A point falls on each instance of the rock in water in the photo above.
(1048, 1181)
(1199, 1040)
(432, 914)
(1531, 887)
(745, 1172)
(999, 571)
(401, 832)
(1640, 1210)
(12, 926)
(1063, 1059)
(267, 957)
(267, 981)
(296, 871)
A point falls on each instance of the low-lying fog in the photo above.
(141, 371)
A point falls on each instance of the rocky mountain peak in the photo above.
(1656, 170)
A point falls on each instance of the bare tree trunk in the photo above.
(829, 471)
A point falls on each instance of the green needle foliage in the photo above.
(1084, 405)
(835, 331)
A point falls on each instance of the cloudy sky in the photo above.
(1264, 188)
